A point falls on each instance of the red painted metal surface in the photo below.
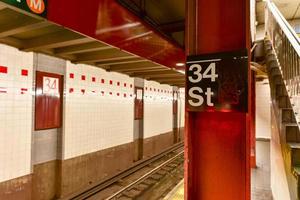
(48, 108)
(108, 21)
(217, 147)
(138, 104)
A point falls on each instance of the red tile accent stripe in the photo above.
(3, 90)
(24, 72)
(3, 69)
(24, 90)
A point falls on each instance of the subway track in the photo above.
(149, 179)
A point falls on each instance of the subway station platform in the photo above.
(123, 99)
(260, 177)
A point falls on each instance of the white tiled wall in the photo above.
(263, 110)
(97, 115)
(158, 110)
(181, 107)
(15, 113)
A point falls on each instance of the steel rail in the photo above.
(285, 26)
(92, 190)
(114, 196)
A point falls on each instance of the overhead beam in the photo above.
(150, 75)
(132, 73)
(2, 6)
(82, 48)
(172, 27)
(168, 79)
(135, 65)
(100, 56)
(54, 40)
(167, 71)
(129, 61)
(12, 42)
(16, 27)
(132, 70)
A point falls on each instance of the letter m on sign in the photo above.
(36, 6)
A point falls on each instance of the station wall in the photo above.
(98, 110)
(96, 139)
(158, 109)
(15, 112)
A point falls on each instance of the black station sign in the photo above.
(217, 82)
(37, 7)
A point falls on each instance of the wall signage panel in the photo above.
(217, 82)
(138, 103)
(38, 7)
(48, 100)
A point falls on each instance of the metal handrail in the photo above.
(286, 45)
(285, 26)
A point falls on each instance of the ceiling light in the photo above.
(179, 64)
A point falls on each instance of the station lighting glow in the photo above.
(179, 64)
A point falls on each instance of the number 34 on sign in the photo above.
(196, 93)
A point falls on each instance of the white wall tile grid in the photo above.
(15, 112)
(263, 110)
(99, 110)
(181, 107)
(158, 109)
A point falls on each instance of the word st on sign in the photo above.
(217, 82)
(50, 86)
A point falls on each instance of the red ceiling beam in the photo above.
(108, 21)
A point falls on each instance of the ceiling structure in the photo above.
(289, 8)
(31, 33)
(166, 16)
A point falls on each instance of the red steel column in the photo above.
(217, 143)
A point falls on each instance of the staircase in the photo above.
(282, 50)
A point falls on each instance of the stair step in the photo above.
(292, 133)
(280, 90)
(277, 79)
(295, 153)
(282, 101)
(275, 71)
(287, 115)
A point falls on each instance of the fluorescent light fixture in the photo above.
(180, 64)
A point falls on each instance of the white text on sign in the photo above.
(50, 85)
(197, 94)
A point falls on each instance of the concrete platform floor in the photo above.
(260, 177)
